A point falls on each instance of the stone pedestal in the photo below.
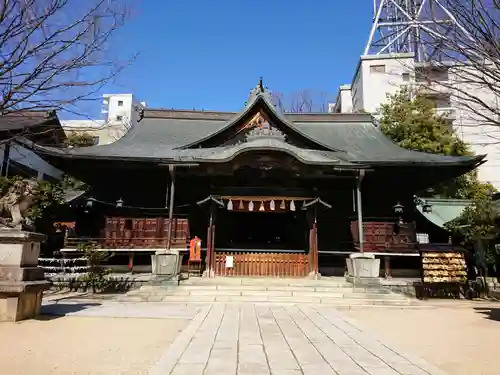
(21, 281)
(363, 268)
(313, 275)
(166, 263)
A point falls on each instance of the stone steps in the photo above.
(268, 293)
(292, 291)
(271, 287)
(345, 301)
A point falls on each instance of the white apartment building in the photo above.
(378, 76)
(118, 113)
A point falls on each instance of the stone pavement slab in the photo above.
(122, 309)
(264, 339)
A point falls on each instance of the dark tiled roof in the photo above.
(40, 126)
(174, 135)
(25, 119)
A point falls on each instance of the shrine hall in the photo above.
(283, 194)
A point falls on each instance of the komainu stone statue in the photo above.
(15, 203)
(22, 282)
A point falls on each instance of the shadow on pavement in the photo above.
(491, 313)
(56, 310)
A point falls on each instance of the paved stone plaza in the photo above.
(260, 339)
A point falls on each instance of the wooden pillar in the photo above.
(312, 209)
(212, 203)
(387, 267)
(315, 241)
(131, 262)
(210, 259)
(311, 246)
(171, 170)
(359, 210)
(6, 159)
(212, 247)
(209, 246)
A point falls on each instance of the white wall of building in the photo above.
(357, 94)
(104, 133)
(379, 75)
(474, 128)
(344, 101)
(118, 110)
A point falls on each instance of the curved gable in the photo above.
(257, 112)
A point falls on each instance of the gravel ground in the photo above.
(461, 339)
(85, 346)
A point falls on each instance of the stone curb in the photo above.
(175, 350)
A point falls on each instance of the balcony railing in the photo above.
(135, 243)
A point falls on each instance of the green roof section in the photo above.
(444, 210)
(180, 137)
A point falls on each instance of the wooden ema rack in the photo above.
(444, 270)
(443, 267)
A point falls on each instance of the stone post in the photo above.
(22, 282)
(363, 268)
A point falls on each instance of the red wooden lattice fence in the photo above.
(123, 232)
(262, 264)
(380, 236)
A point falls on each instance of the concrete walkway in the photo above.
(256, 339)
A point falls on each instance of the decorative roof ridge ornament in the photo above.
(260, 89)
(265, 130)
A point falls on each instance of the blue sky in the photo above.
(210, 53)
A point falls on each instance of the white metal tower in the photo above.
(415, 26)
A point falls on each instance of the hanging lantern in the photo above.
(89, 203)
(292, 206)
(427, 207)
(398, 208)
(230, 205)
(282, 205)
(241, 206)
(119, 203)
(262, 208)
(271, 205)
(250, 206)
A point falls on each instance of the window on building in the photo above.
(119, 118)
(431, 74)
(406, 77)
(377, 69)
(442, 102)
(120, 103)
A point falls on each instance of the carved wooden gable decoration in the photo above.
(259, 127)
(260, 120)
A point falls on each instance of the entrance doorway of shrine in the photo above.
(262, 231)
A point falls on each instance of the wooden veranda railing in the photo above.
(126, 243)
(262, 264)
(379, 236)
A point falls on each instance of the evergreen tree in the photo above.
(410, 120)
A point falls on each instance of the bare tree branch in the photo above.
(306, 101)
(471, 56)
(55, 54)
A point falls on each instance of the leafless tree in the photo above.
(470, 56)
(55, 54)
(306, 101)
